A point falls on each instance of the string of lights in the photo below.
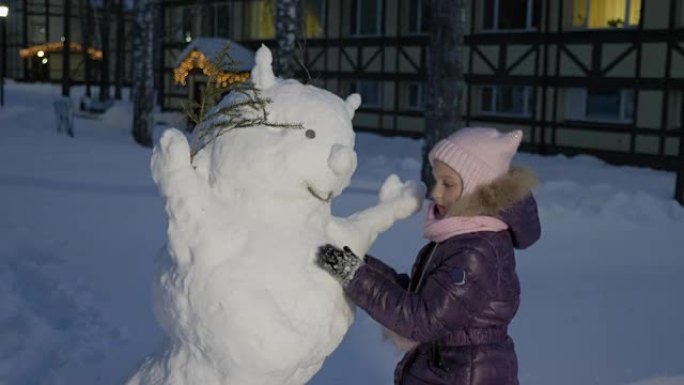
(41, 49)
(197, 59)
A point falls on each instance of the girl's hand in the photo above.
(341, 264)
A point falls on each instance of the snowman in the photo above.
(237, 289)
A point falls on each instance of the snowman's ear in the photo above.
(262, 73)
(353, 102)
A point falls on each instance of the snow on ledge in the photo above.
(211, 46)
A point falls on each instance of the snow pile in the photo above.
(661, 380)
(238, 292)
(40, 311)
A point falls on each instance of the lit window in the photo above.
(261, 19)
(314, 17)
(506, 15)
(603, 105)
(606, 13)
(370, 91)
(366, 17)
(506, 100)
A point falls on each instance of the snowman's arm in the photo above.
(361, 229)
(179, 184)
(397, 201)
(373, 220)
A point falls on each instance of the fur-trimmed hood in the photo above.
(510, 199)
(493, 198)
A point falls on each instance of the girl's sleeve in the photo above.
(386, 271)
(455, 292)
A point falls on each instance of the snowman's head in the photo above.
(312, 162)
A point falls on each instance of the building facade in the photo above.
(604, 77)
(36, 31)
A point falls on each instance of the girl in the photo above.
(463, 290)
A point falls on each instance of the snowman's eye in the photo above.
(310, 133)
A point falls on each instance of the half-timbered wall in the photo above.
(578, 76)
(39, 22)
(381, 56)
(596, 85)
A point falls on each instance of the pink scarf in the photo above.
(438, 230)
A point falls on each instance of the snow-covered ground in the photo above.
(81, 222)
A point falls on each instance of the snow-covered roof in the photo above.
(211, 46)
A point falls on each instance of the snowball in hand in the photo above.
(237, 289)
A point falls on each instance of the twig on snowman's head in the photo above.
(246, 108)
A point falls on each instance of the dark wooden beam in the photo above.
(596, 82)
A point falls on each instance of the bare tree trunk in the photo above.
(158, 59)
(104, 65)
(3, 61)
(143, 71)
(679, 183)
(66, 50)
(86, 25)
(118, 71)
(286, 34)
(445, 76)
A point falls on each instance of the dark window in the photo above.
(223, 21)
(507, 100)
(487, 99)
(187, 22)
(536, 13)
(511, 14)
(354, 22)
(370, 92)
(488, 12)
(418, 16)
(208, 19)
(38, 33)
(613, 105)
(417, 96)
(610, 105)
(603, 105)
(628, 104)
(366, 17)
(512, 100)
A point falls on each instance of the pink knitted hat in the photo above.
(479, 155)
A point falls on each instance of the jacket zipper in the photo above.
(434, 355)
(425, 268)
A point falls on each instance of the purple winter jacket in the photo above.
(460, 312)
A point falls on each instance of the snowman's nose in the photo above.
(342, 160)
